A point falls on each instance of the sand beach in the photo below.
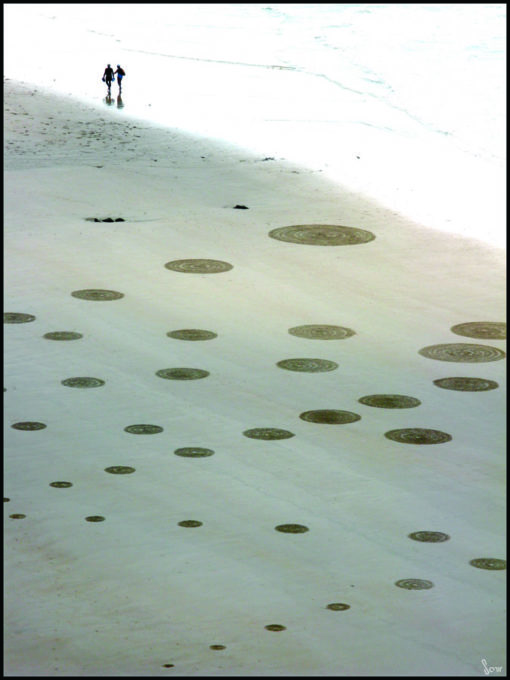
(321, 454)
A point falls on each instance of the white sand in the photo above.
(137, 591)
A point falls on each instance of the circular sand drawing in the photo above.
(17, 515)
(462, 352)
(418, 435)
(192, 334)
(83, 382)
(17, 317)
(143, 429)
(61, 485)
(275, 627)
(322, 332)
(194, 452)
(199, 266)
(488, 563)
(429, 536)
(62, 335)
(292, 528)
(120, 470)
(338, 606)
(29, 426)
(390, 401)
(466, 384)
(330, 416)
(268, 433)
(307, 365)
(190, 523)
(94, 518)
(182, 373)
(322, 235)
(414, 584)
(217, 647)
(97, 294)
(487, 330)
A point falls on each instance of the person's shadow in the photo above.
(120, 103)
(108, 99)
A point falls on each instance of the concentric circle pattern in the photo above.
(307, 365)
(488, 563)
(61, 485)
(120, 470)
(322, 235)
(321, 332)
(390, 401)
(330, 416)
(462, 352)
(418, 435)
(193, 452)
(193, 334)
(268, 433)
(143, 429)
(62, 335)
(83, 382)
(466, 384)
(292, 528)
(487, 330)
(414, 584)
(190, 523)
(338, 606)
(18, 317)
(429, 536)
(97, 294)
(199, 266)
(182, 373)
(29, 426)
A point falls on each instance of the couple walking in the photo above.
(109, 75)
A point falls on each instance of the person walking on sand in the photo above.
(120, 73)
(108, 76)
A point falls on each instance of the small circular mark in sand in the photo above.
(389, 401)
(488, 563)
(190, 523)
(182, 373)
(95, 518)
(268, 433)
(194, 452)
(217, 647)
(414, 584)
(462, 352)
(192, 334)
(168, 665)
(120, 470)
(17, 317)
(307, 365)
(17, 516)
(338, 606)
(29, 426)
(322, 235)
(83, 382)
(61, 485)
(199, 266)
(429, 536)
(330, 416)
(292, 528)
(466, 384)
(97, 294)
(143, 429)
(6, 500)
(418, 435)
(321, 332)
(275, 627)
(62, 335)
(487, 330)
